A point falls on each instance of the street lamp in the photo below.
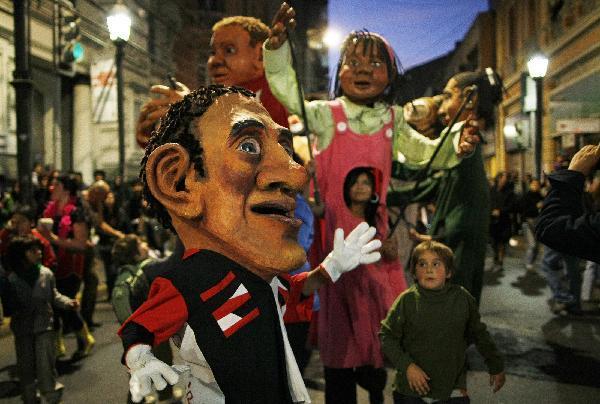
(119, 25)
(537, 66)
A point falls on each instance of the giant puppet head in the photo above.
(236, 50)
(220, 173)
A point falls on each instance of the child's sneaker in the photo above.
(85, 342)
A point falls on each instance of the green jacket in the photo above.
(433, 329)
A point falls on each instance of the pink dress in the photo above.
(352, 308)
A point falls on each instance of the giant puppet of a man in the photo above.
(235, 59)
(219, 172)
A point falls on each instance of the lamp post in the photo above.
(537, 67)
(23, 96)
(119, 25)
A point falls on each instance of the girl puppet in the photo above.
(360, 127)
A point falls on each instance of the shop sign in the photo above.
(580, 125)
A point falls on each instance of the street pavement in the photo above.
(550, 359)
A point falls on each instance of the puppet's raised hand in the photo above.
(282, 20)
(358, 248)
(155, 109)
(469, 136)
(146, 370)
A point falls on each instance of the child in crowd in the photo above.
(30, 299)
(130, 255)
(428, 330)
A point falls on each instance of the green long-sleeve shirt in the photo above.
(415, 149)
(433, 328)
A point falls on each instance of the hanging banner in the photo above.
(104, 91)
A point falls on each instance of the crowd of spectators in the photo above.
(74, 226)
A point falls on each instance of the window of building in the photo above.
(512, 32)
(532, 18)
(151, 35)
(8, 115)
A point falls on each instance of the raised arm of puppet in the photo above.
(155, 109)
(282, 20)
(358, 248)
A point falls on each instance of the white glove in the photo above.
(145, 369)
(347, 254)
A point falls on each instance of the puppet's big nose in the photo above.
(280, 171)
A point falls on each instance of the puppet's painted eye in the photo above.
(376, 63)
(230, 50)
(250, 146)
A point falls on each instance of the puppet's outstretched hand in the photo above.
(469, 136)
(358, 248)
(156, 108)
(283, 20)
(146, 370)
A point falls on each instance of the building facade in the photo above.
(567, 32)
(74, 116)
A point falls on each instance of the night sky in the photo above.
(418, 30)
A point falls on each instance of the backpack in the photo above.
(130, 290)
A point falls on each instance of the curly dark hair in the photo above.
(177, 126)
(394, 67)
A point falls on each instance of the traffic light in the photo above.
(70, 50)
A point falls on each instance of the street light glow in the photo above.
(511, 131)
(119, 23)
(332, 38)
(537, 66)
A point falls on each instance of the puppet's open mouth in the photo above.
(362, 84)
(218, 75)
(278, 210)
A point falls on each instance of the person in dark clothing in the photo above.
(428, 330)
(30, 299)
(107, 231)
(562, 224)
(461, 218)
(529, 207)
(502, 202)
(136, 271)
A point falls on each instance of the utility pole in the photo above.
(119, 44)
(23, 96)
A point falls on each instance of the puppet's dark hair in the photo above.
(372, 205)
(177, 126)
(394, 67)
(489, 91)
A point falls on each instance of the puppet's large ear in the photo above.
(474, 98)
(166, 170)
